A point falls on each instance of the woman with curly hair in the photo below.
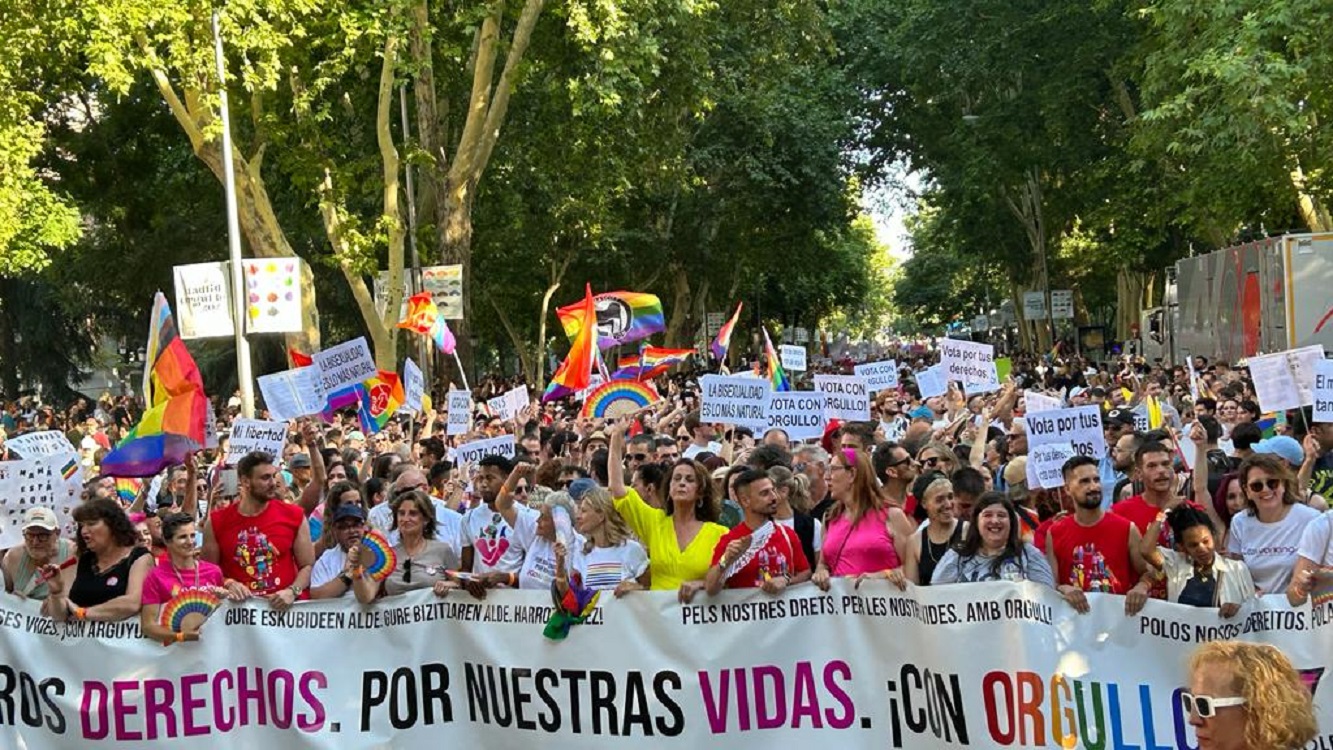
(993, 549)
(1247, 696)
(609, 559)
(107, 582)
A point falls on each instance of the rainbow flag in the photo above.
(442, 336)
(651, 362)
(621, 317)
(347, 398)
(383, 396)
(773, 369)
(127, 489)
(421, 314)
(575, 373)
(172, 427)
(723, 340)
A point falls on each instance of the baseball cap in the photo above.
(41, 518)
(1118, 417)
(299, 461)
(1282, 446)
(349, 510)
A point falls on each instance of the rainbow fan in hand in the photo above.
(618, 398)
(382, 557)
(188, 602)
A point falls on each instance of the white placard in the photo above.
(968, 361)
(1045, 463)
(445, 284)
(292, 393)
(989, 385)
(251, 435)
(1037, 402)
(414, 386)
(878, 375)
(734, 400)
(460, 412)
(802, 335)
(346, 364)
(53, 482)
(1323, 392)
(1034, 306)
(848, 397)
(471, 453)
(1080, 426)
(931, 383)
(793, 358)
(42, 443)
(203, 306)
(798, 413)
(507, 405)
(273, 295)
(1062, 304)
(1285, 380)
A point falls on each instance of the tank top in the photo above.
(26, 574)
(863, 547)
(932, 553)
(93, 588)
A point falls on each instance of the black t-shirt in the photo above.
(91, 589)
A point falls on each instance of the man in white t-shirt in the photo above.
(331, 577)
(701, 437)
(448, 523)
(492, 551)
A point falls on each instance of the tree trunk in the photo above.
(680, 304)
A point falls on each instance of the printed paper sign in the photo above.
(848, 397)
(1038, 402)
(292, 393)
(445, 284)
(42, 443)
(346, 364)
(989, 385)
(1285, 380)
(1323, 391)
(931, 383)
(1034, 306)
(968, 361)
(1045, 463)
(414, 386)
(53, 482)
(460, 412)
(793, 358)
(734, 400)
(1081, 427)
(1062, 304)
(878, 375)
(507, 405)
(203, 306)
(798, 413)
(255, 435)
(273, 295)
(471, 453)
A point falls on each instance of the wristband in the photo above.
(80, 613)
(180, 637)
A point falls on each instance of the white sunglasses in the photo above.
(1206, 705)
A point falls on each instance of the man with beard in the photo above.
(763, 553)
(1089, 550)
(332, 575)
(1155, 464)
(1118, 425)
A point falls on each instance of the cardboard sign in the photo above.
(203, 305)
(1323, 391)
(414, 386)
(1039, 402)
(878, 375)
(968, 361)
(793, 358)
(255, 435)
(1045, 463)
(292, 393)
(346, 364)
(1285, 380)
(848, 397)
(931, 383)
(1081, 427)
(471, 453)
(734, 400)
(460, 412)
(42, 443)
(800, 414)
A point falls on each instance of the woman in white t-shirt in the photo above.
(538, 533)
(610, 559)
(1267, 534)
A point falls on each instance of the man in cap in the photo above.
(41, 546)
(332, 575)
(301, 471)
(1116, 424)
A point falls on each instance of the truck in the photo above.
(1256, 298)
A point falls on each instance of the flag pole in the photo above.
(243, 372)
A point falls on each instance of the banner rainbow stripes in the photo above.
(723, 340)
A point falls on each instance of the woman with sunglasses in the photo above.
(864, 536)
(1268, 532)
(1247, 696)
(423, 561)
(936, 456)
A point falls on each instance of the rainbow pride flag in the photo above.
(383, 397)
(621, 317)
(172, 427)
(773, 369)
(575, 373)
(651, 362)
(425, 318)
(723, 340)
(127, 489)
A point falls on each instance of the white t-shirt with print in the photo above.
(1269, 549)
(603, 568)
(539, 554)
(495, 545)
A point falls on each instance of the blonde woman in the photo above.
(609, 559)
(1247, 696)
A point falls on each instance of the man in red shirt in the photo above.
(758, 551)
(1156, 470)
(1089, 550)
(262, 543)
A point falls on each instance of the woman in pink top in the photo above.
(862, 533)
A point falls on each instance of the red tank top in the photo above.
(259, 551)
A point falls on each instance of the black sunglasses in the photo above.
(1259, 484)
(407, 570)
(638, 456)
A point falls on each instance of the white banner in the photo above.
(471, 453)
(1285, 380)
(203, 306)
(1323, 392)
(793, 358)
(414, 386)
(734, 400)
(848, 396)
(251, 435)
(798, 413)
(507, 405)
(42, 443)
(273, 295)
(1039, 402)
(878, 375)
(1080, 426)
(982, 665)
(292, 393)
(1045, 465)
(931, 382)
(460, 412)
(968, 361)
(346, 364)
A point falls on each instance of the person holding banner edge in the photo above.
(758, 551)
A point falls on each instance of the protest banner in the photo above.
(1285, 380)
(52, 481)
(414, 386)
(273, 295)
(460, 412)
(251, 435)
(471, 453)
(734, 400)
(918, 669)
(203, 305)
(930, 382)
(798, 413)
(42, 443)
(793, 358)
(1045, 463)
(989, 384)
(1037, 401)
(848, 396)
(346, 364)
(878, 375)
(1080, 426)
(292, 393)
(968, 361)
(1323, 391)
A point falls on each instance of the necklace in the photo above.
(928, 546)
(180, 580)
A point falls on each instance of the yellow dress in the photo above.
(670, 565)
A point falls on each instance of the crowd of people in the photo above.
(928, 492)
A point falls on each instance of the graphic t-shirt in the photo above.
(603, 568)
(779, 555)
(164, 582)
(258, 550)
(1093, 558)
(495, 545)
(954, 569)
(1269, 549)
(538, 553)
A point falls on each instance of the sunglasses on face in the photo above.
(638, 457)
(1206, 705)
(1258, 485)
(931, 462)
(522, 489)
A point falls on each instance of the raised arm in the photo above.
(190, 505)
(977, 457)
(615, 461)
(319, 476)
(504, 499)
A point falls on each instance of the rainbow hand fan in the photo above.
(192, 601)
(382, 557)
(618, 398)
